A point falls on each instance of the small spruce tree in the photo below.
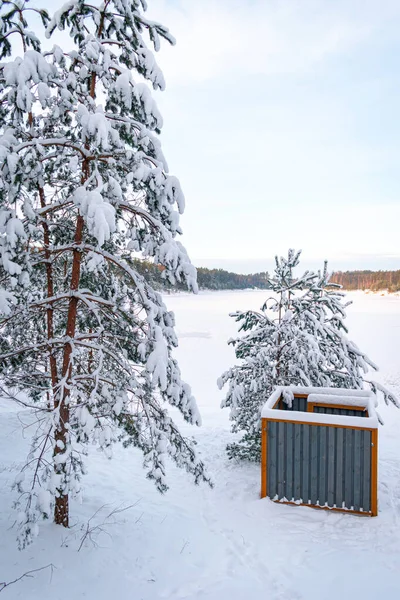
(298, 338)
(83, 184)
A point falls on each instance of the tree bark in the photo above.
(61, 509)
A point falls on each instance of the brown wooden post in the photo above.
(264, 433)
(374, 473)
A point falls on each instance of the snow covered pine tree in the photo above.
(298, 338)
(83, 185)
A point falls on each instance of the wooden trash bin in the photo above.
(320, 449)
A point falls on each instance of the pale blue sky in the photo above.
(282, 122)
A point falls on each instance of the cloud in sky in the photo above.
(257, 37)
(281, 121)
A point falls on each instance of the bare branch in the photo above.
(4, 584)
(92, 532)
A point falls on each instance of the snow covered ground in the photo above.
(226, 543)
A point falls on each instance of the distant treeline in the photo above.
(368, 280)
(207, 279)
(219, 279)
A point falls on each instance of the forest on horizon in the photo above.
(368, 280)
(220, 279)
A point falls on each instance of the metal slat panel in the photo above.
(340, 411)
(314, 437)
(322, 465)
(339, 468)
(367, 470)
(302, 404)
(357, 470)
(305, 480)
(348, 467)
(294, 405)
(362, 442)
(289, 461)
(298, 404)
(331, 466)
(318, 464)
(281, 462)
(298, 463)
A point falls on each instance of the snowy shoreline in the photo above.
(175, 292)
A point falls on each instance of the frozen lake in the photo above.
(203, 328)
(222, 544)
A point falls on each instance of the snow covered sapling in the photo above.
(83, 184)
(297, 338)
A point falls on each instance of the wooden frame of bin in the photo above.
(310, 407)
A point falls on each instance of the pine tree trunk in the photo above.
(61, 512)
(61, 509)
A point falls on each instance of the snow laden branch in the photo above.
(298, 337)
(84, 189)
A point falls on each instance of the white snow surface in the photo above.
(297, 389)
(363, 398)
(324, 419)
(213, 544)
(346, 400)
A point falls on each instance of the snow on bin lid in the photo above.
(363, 398)
(347, 400)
